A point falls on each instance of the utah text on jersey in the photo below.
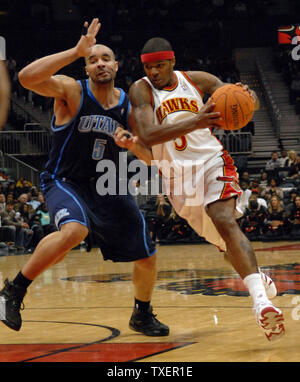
(98, 123)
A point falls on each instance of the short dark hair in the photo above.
(112, 52)
(156, 44)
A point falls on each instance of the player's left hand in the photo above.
(88, 40)
(246, 87)
(252, 94)
(123, 138)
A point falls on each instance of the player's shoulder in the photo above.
(139, 86)
(197, 74)
(141, 83)
(140, 92)
(207, 82)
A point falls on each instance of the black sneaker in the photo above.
(146, 323)
(11, 297)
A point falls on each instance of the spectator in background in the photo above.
(263, 180)
(180, 229)
(23, 198)
(244, 199)
(7, 233)
(255, 185)
(27, 186)
(24, 214)
(24, 217)
(289, 201)
(268, 197)
(19, 184)
(3, 177)
(45, 220)
(2, 202)
(160, 224)
(292, 155)
(23, 186)
(40, 199)
(33, 198)
(273, 189)
(293, 170)
(284, 159)
(40, 224)
(294, 218)
(157, 215)
(253, 222)
(261, 201)
(140, 193)
(277, 220)
(273, 165)
(11, 219)
(245, 177)
(11, 189)
(10, 199)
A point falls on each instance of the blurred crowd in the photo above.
(270, 204)
(24, 217)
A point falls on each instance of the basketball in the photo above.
(235, 105)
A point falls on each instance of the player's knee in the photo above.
(224, 221)
(72, 235)
(148, 263)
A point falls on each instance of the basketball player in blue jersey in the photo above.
(169, 116)
(86, 116)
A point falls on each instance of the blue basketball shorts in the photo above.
(114, 222)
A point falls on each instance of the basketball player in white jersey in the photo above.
(169, 116)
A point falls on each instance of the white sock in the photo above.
(256, 288)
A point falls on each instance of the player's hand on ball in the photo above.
(207, 117)
(246, 87)
(88, 40)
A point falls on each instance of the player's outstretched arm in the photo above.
(39, 77)
(4, 93)
(151, 133)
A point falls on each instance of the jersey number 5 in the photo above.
(180, 143)
(99, 147)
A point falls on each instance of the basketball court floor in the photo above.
(78, 311)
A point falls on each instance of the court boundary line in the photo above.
(115, 333)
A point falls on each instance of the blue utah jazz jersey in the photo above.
(88, 138)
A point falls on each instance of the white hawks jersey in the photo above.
(172, 104)
(216, 177)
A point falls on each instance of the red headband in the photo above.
(157, 56)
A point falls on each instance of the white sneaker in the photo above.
(270, 319)
(269, 285)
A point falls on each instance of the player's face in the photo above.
(101, 65)
(160, 73)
